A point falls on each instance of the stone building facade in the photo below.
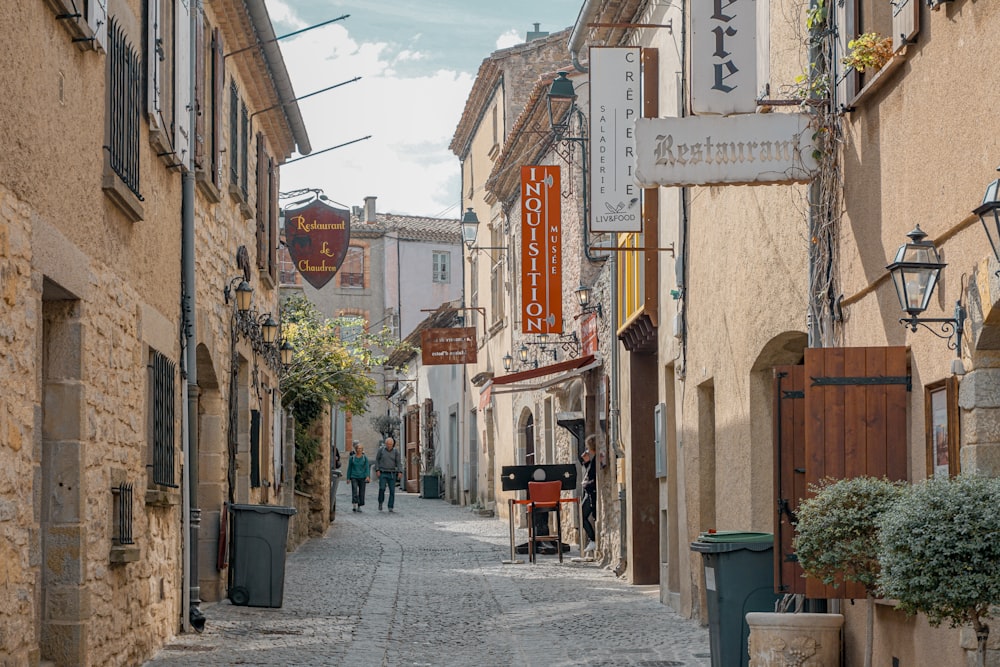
(98, 143)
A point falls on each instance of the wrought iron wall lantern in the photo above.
(989, 215)
(530, 353)
(259, 329)
(915, 272)
(470, 230)
(583, 294)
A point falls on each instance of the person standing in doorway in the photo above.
(389, 469)
(359, 473)
(589, 507)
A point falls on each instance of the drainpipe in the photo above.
(195, 619)
(579, 35)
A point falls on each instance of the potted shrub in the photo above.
(837, 535)
(869, 51)
(940, 546)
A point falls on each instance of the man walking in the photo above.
(389, 468)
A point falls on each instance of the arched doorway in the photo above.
(212, 469)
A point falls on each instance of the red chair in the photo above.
(544, 497)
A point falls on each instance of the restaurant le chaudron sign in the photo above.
(317, 236)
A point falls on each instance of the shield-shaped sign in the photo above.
(317, 235)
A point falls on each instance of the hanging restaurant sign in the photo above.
(705, 150)
(448, 345)
(317, 236)
(541, 250)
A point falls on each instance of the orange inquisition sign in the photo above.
(541, 250)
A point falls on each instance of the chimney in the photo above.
(535, 34)
(370, 210)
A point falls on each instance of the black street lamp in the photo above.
(915, 273)
(989, 215)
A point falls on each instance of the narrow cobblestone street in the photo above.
(425, 585)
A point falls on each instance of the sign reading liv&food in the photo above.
(317, 235)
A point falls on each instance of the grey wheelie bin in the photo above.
(257, 560)
(739, 577)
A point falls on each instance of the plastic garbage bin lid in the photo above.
(731, 540)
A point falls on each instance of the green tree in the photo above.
(330, 366)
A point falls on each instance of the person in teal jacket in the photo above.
(359, 473)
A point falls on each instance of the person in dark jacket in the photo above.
(589, 507)
(359, 473)
(388, 468)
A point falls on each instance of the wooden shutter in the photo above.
(182, 130)
(154, 63)
(218, 92)
(97, 18)
(272, 223)
(845, 14)
(789, 473)
(263, 188)
(845, 417)
(199, 93)
(905, 22)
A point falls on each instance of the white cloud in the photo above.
(406, 162)
(510, 38)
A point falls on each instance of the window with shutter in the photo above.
(852, 422)
(121, 177)
(441, 267)
(899, 21)
(244, 150)
(200, 102)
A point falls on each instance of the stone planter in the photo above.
(794, 640)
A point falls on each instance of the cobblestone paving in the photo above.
(425, 586)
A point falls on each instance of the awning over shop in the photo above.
(544, 376)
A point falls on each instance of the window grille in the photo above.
(122, 514)
(125, 76)
(162, 406)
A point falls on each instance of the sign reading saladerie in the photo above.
(614, 103)
(745, 149)
(317, 236)
(723, 56)
(541, 250)
(449, 345)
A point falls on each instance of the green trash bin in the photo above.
(739, 578)
(257, 558)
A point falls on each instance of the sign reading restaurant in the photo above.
(614, 104)
(744, 149)
(317, 235)
(448, 345)
(541, 250)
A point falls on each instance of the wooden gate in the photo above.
(842, 414)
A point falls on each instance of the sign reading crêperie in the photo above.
(704, 150)
(614, 104)
(541, 250)
(448, 345)
(317, 235)
(724, 56)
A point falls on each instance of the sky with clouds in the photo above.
(417, 60)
